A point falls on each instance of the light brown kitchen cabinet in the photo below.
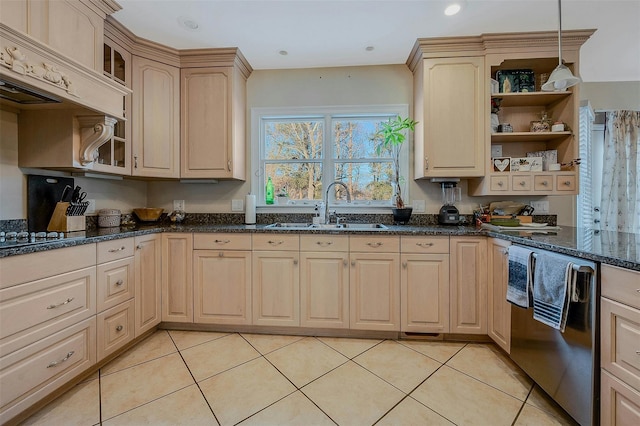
(424, 284)
(222, 279)
(72, 27)
(620, 346)
(374, 281)
(213, 118)
(148, 270)
(324, 281)
(177, 277)
(114, 156)
(499, 310)
(115, 328)
(450, 104)
(276, 280)
(468, 285)
(155, 119)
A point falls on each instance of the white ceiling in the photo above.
(328, 33)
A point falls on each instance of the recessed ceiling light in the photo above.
(283, 52)
(452, 9)
(188, 23)
(369, 48)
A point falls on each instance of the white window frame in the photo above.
(328, 114)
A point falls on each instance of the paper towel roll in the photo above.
(250, 209)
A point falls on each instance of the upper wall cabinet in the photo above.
(450, 106)
(213, 114)
(74, 28)
(155, 119)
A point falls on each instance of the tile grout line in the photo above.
(194, 379)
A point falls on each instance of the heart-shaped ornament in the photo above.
(501, 164)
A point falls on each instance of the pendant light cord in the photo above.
(559, 32)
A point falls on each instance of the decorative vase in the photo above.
(402, 216)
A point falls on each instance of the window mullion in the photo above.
(327, 156)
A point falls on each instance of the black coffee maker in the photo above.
(449, 214)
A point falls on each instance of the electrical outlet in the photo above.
(91, 208)
(540, 207)
(237, 205)
(496, 151)
(419, 206)
(178, 205)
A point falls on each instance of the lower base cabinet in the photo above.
(222, 287)
(468, 285)
(276, 288)
(619, 402)
(148, 290)
(499, 315)
(177, 272)
(115, 328)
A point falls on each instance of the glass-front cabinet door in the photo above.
(114, 156)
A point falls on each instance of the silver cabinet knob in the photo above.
(119, 328)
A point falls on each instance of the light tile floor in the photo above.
(202, 378)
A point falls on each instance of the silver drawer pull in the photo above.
(275, 243)
(424, 244)
(500, 183)
(119, 328)
(115, 250)
(139, 247)
(545, 183)
(119, 282)
(567, 182)
(522, 183)
(221, 254)
(295, 261)
(375, 245)
(222, 241)
(54, 363)
(637, 352)
(69, 300)
(404, 265)
(637, 290)
(324, 243)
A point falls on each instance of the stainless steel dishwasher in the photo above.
(565, 365)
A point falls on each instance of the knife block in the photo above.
(60, 222)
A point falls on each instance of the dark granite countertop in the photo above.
(614, 248)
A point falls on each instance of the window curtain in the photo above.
(620, 177)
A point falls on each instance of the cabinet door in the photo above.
(177, 270)
(424, 280)
(155, 119)
(222, 286)
(276, 288)
(450, 108)
(213, 113)
(468, 285)
(324, 289)
(374, 282)
(148, 267)
(619, 402)
(499, 314)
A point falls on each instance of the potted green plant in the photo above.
(392, 135)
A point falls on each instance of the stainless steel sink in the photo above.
(365, 226)
(289, 225)
(329, 226)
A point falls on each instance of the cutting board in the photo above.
(43, 192)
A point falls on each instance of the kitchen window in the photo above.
(303, 150)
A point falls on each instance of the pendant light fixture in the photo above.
(561, 77)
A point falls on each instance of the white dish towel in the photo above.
(553, 287)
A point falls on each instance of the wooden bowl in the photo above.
(148, 214)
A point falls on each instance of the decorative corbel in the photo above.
(95, 130)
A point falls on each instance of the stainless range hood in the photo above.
(24, 96)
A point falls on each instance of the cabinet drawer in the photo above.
(543, 183)
(521, 183)
(115, 249)
(432, 244)
(619, 403)
(29, 374)
(49, 305)
(20, 269)
(222, 241)
(115, 328)
(324, 243)
(499, 183)
(620, 351)
(276, 242)
(566, 183)
(621, 284)
(114, 283)
(374, 243)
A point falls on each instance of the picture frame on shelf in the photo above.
(549, 156)
(501, 164)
